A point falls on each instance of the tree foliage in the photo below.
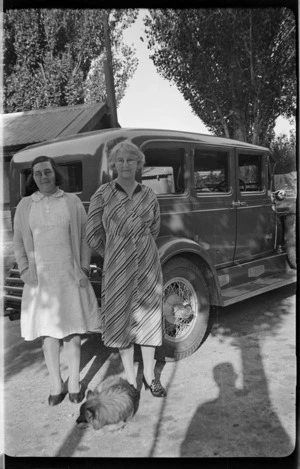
(284, 152)
(124, 64)
(48, 54)
(235, 67)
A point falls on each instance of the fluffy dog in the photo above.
(115, 403)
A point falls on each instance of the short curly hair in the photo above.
(127, 147)
(30, 183)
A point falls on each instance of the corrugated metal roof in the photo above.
(25, 128)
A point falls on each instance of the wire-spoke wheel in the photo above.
(186, 310)
(179, 306)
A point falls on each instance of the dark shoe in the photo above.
(76, 397)
(55, 399)
(155, 387)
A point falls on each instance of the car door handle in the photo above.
(238, 203)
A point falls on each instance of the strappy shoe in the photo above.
(156, 388)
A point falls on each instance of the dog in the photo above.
(115, 403)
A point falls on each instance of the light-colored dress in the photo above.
(57, 307)
(123, 231)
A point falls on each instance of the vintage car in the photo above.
(222, 239)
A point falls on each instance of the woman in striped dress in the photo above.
(123, 222)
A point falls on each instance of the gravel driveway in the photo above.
(234, 397)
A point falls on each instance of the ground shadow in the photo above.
(73, 439)
(115, 367)
(242, 422)
(238, 318)
(244, 415)
(229, 324)
(93, 348)
(18, 353)
(23, 354)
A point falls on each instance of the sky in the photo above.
(153, 102)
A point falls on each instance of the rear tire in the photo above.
(187, 315)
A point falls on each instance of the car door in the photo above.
(166, 171)
(214, 215)
(256, 219)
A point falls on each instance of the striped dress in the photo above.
(123, 231)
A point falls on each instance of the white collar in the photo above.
(37, 196)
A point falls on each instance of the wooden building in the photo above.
(21, 129)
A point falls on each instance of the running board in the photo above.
(234, 294)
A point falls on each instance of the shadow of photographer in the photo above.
(243, 421)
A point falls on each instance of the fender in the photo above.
(170, 246)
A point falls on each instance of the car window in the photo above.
(250, 173)
(72, 176)
(164, 170)
(210, 171)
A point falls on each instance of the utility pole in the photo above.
(109, 78)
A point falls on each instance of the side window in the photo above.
(211, 171)
(164, 170)
(72, 175)
(250, 173)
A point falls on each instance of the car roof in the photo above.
(133, 134)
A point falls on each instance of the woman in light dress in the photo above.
(123, 223)
(53, 257)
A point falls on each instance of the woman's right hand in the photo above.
(26, 277)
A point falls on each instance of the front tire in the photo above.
(186, 310)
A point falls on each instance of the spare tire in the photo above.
(290, 239)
